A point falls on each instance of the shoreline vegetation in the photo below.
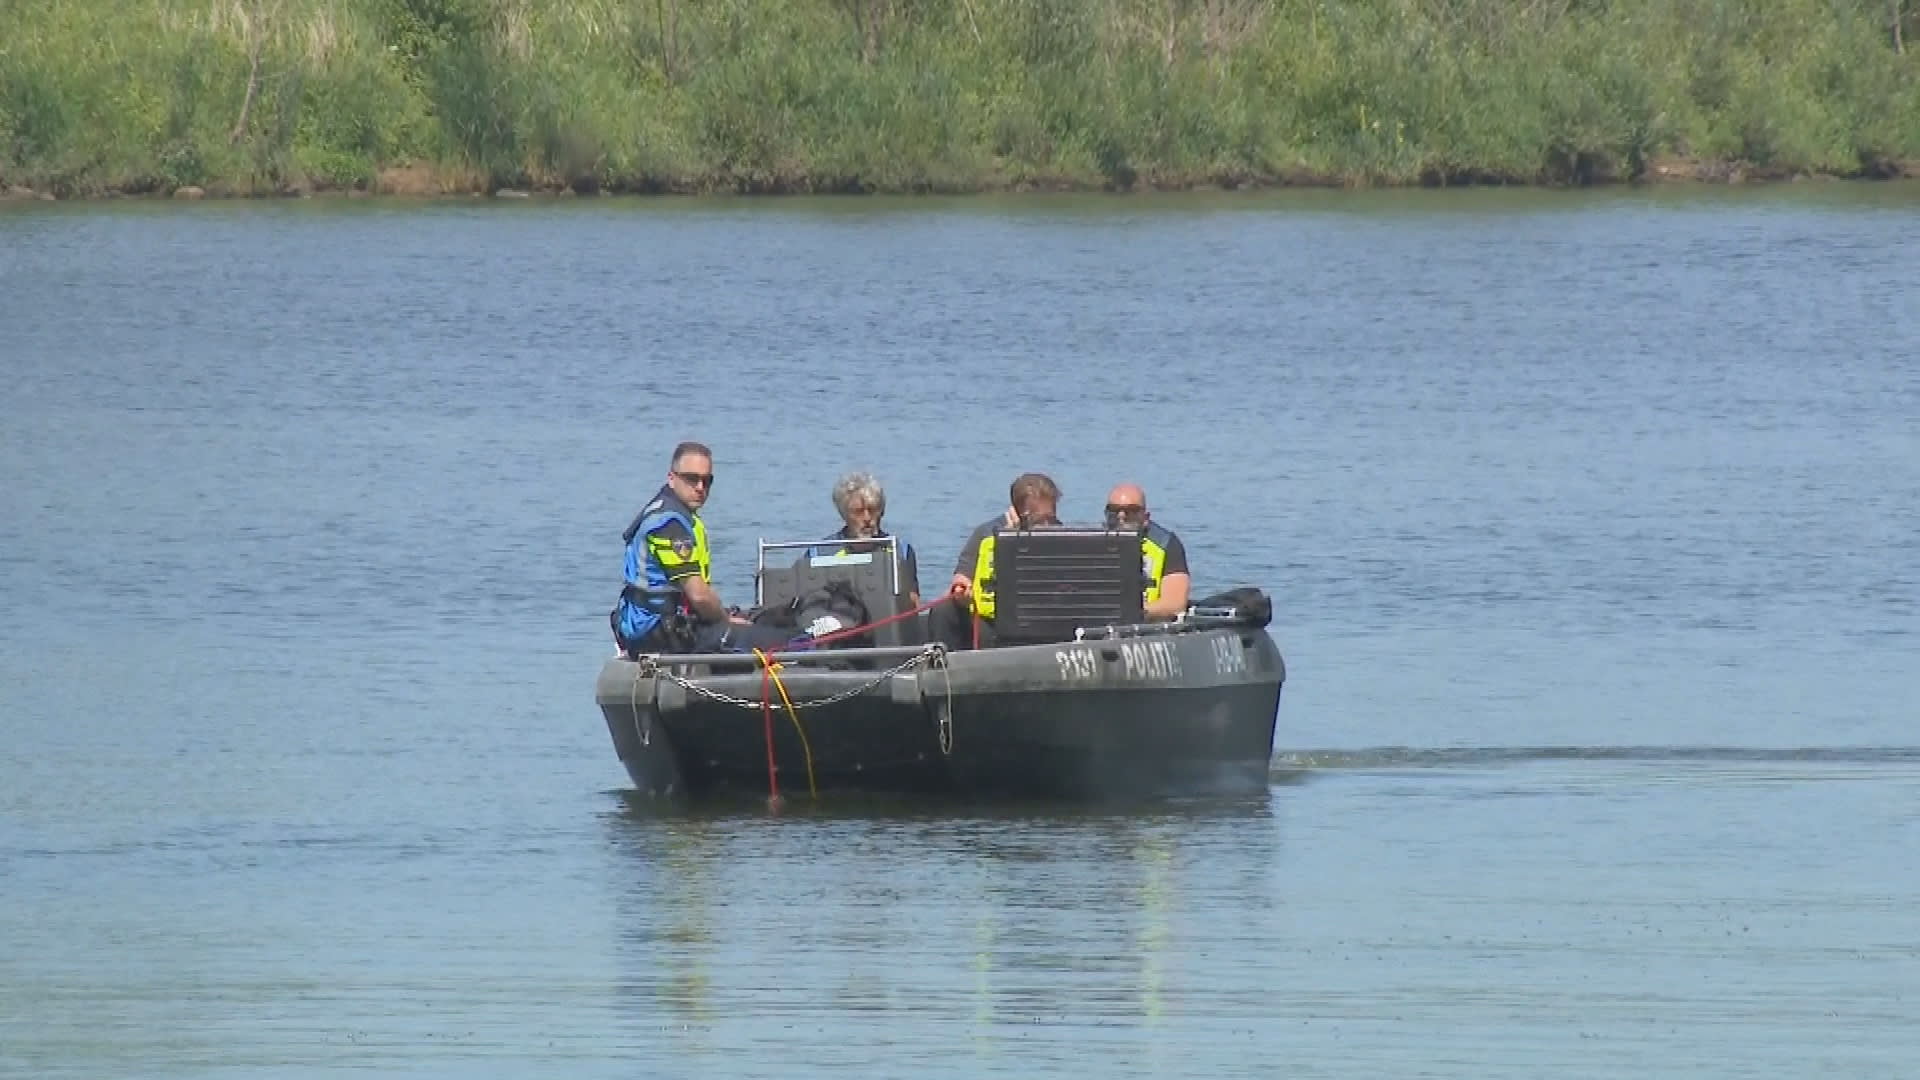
(194, 98)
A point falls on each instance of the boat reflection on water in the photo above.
(1154, 857)
(838, 937)
(673, 926)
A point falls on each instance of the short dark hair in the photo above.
(1032, 485)
(689, 447)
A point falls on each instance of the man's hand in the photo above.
(961, 586)
(703, 600)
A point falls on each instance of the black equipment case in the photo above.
(1050, 580)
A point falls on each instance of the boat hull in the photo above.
(1174, 714)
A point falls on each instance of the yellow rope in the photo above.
(773, 671)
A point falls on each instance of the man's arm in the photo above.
(969, 555)
(1175, 582)
(705, 602)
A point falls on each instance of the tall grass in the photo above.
(904, 95)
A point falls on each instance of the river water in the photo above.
(1590, 521)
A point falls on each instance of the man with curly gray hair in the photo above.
(862, 503)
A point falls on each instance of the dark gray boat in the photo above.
(1084, 699)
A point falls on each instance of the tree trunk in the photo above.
(870, 51)
(260, 15)
(246, 103)
(1899, 16)
(668, 14)
(1170, 35)
(869, 26)
(1227, 24)
(255, 46)
(972, 22)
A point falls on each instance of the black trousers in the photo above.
(951, 624)
(708, 637)
(735, 637)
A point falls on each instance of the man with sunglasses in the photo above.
(1163, 556)
(668, 603)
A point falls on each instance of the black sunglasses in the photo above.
(704, 480)
(1125, 511)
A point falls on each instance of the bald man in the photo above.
(1163, 555)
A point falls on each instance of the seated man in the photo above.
(1164, 557)
(668, 603)
(1033, 499)
(862, 503)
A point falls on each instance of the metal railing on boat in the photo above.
(801, 656)
(1193, 620)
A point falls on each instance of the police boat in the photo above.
(1080, 696)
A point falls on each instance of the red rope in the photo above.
(766, 677)
(766, 711)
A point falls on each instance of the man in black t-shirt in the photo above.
(1032, 499)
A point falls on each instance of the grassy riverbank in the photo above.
(247, 96)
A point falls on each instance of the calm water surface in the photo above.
(1590, 521)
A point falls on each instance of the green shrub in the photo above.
(918, 95)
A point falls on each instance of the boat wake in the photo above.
(1292, 762)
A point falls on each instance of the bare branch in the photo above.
(261, 17)
(668, 14)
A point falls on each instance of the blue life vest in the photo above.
(649, 595)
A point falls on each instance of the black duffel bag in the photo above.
(1249, 605)
(819, 613)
